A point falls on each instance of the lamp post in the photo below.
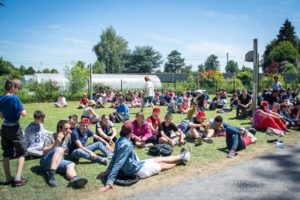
(252, 56)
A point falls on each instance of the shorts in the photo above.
(13, 141)
(45, 163)
(190, 136)
(149, 99)
(149, 168)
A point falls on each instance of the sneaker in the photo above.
(186, 155)
(8, 181)
(208, 140)
(51, 179)
(78, 182)
(198, 141)
(104, 161)
(21, 182)
(231, 154)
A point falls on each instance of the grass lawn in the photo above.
(206, 159)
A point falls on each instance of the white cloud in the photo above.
(162, 38)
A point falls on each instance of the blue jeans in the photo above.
(234, 140)
(79, 153)
(46, 160)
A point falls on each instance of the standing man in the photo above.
(148, 92)
(12, 140)
(276, 85)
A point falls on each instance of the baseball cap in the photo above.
(264, 103)
(156, 109)
(85, 121)
(201, 115)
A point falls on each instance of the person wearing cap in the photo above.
(125, 160)
(83, 101)
(122, 112)
(194, 128)
(276, 85)
(105, 129)
(141, 131)
(78, 146)
(169, 133)
(264, 119)
(154, 122)
(89, 112)
(148, 93)
(55, 146)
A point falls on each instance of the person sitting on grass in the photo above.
(77, 146)
(52, 161)
(105, 129)
(122, 112)
(237, 139)
(244, 107)
(141, 131)
(61, 101)
(89, 112)
(165, 130)
(193, 128)
(83, 101)
(125, 160)
(35, 134)
(215, 129)
(154, 123)
(284, 112)
(185, 106)
(73, 120)
(264, 119)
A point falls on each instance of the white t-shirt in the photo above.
(149, 89)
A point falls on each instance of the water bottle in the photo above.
(279, 144)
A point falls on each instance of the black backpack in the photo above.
(160, 150)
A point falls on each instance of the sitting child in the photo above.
(61, 102)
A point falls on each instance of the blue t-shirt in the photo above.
(11, 107)
(123, 108)
(77, 135)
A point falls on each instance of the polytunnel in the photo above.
(116, 81)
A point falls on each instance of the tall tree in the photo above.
(112, 50)
(8, 69)
(201, 68)
(143, 60)
(30, 70)
(287, 33)
(46, 70)
(212, 63)
(175, 62)
(22, 69)
(98, 67)
(232, 67)
(53, 71)
(187, 69)
(77, 77)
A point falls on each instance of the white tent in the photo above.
(116, 81)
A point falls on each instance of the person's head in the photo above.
(84, 95)
(265, 105)
(73, 120)
(84, 124)
(64, 127)
(12, 85)
(276, 107)
(200, 116)
(275, 92)
(155, 112)
(92, 103)
(139, 117)
(105, 119)
(284, 106)
(275, 78)
(120, 100)
(146, 78)
(218, 120)
(126, 129)
(168, 118)
(244, 92)
(39, 116)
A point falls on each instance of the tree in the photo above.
(111, 50)
(246, 76)
(77, 77)
(46, 70)
(287, 33)
(201, 68)
(143, 60)
(98, 67)
(53, 71)
(288, 67)
(22, 69)
(187, 69)
(284, 51)
(212, 63)
(30, 70)
(232, 67)
(174, 63)
(266, 62)
(8, 69)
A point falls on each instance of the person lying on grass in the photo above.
(125, 160)
(237, 139)
(166, 129)
(53, 154)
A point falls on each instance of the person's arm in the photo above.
(79, 145)
(101, 135)
(93, 112)
(58, 140)
(147, 132)
(114, 133)
(193, 125)
(23, 113)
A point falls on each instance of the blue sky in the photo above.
(55, 33)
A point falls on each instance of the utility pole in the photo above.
(227, 55)
(91, 81)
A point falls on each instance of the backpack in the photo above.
(172, 107)
(160, 150)
(124, 180)
(184, 126)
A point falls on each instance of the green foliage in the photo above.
(143, 60)
(174, 63)
(232, 67)
(98, 87)
(98, 67)
(267, 81)
(30, 71)
(232, 84)
(8, 69)
(287, 33)
(284, 51)
(212, 63)
(246, 77)
(53, 71)
(40, 92)
(288, 67)
(112, 51)
(201, 68)
(187, 69)
(77, 77)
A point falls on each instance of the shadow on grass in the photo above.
(223, 149)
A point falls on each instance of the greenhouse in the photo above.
(116, 81)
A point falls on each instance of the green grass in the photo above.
(37, 188)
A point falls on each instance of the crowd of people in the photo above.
(279, 111)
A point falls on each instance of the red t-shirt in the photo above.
(84, 100)
(155, 122)
(247, 140)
